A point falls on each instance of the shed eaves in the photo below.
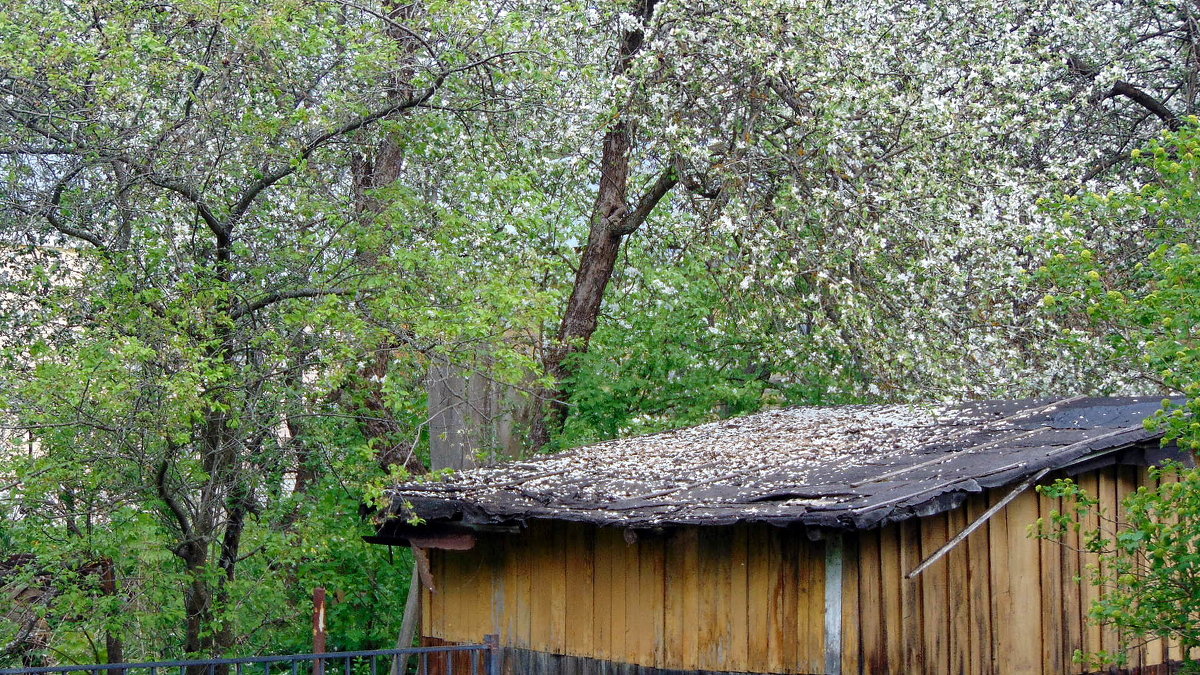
(842, 467)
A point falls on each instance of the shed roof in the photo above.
(842, 467)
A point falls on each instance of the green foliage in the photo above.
(293, 545)
(684, 345)
(195, 259)
(1141, 302)
(193, 297)
(1148, 566)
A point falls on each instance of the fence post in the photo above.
(492, 640)
(318, 629)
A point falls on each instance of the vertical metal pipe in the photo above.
(833, 603)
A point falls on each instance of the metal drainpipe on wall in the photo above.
(833, 604)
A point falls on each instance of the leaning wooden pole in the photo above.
(412, 619)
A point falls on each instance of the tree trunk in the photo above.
(611, 220)
(378, 170)
(114, 648)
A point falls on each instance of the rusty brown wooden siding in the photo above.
(751, 598)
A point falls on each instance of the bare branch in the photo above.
(412, 101)
(251, 193)
(57, 223)
(1121, 88)
(188, 192)
(160, 483)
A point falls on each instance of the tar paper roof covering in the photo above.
(844, 467)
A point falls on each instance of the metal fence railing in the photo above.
(473, 659)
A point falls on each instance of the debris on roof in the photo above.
(840, 467)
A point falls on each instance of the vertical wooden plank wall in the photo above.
(742, 598)
(751, 598)
(1000, 602)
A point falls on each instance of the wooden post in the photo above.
(410, 623)
(833, 604)
(492, 640)
(319, 628)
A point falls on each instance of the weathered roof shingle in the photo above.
(844, 467)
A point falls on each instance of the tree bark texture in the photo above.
(379, 169)
(611, 221)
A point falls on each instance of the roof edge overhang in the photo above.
(453, 524)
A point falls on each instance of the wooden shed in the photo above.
(790, 541)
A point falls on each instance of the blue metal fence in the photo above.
(476, 659)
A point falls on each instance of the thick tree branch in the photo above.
(219, 229)
(18, 644)
(160, 484)
(666, 180)
(1129, 91)
(251, 193)
(1121, 88)
(277, 296)
(57, 223)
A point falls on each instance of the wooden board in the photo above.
(689, 542)
(1024, 571)
(444, 610)
(739, 604)
(810, 603)
(602, 592)
(1127, 478)
(851, 635)
(673, 615)
(934, 583)
(1106, 489)
(543, 572)
(892, 587)
(1055, 658)
(653, 582)
(762, 570)
(910, 598)
(1156, 649)
(1073, 611)
(428, 613)
(716, 548)
(579, 555)
(958, 565)
(872, 637)
(979, 571)
(1004, 633)
(553, 569)
(1087, 592)
(635, 616)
